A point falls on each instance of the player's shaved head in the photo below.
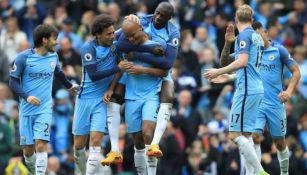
(163, 14)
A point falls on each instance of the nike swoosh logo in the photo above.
(31, 65)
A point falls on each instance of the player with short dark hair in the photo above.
(31, 78)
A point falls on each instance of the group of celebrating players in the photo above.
(133, 65)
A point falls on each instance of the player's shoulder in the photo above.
(24, 54)
(145, 19)
(89, 45)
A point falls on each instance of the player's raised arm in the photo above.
(287, 59)
(226, 57)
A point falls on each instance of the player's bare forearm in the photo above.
(115, 81)
(241, 62)
(226, 57)
(295, 78)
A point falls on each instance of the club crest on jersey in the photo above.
(23, 138)
(271, 57)
(88, 57)
(175, 42)
(52, 64)
(242, 44)
(14, 68)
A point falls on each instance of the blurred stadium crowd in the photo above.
(196, 140)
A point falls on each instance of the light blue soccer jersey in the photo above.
(170, 34)
(248, 79)
(36, 75)
(104, 58)
(271, 71)
(144, 86)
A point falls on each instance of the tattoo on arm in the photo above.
(226, 57)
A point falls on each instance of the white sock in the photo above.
(283, 158)
(139, 161)
(151, 163)
(258, 151)
(249, 153)
(162, 119)
(30, 162)
(113, 119)
(93, 160)
(41, 163)
(249, 169)
(80, 159)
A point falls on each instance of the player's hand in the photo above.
(74, 89)
(230, 34)
(224, 78)
(107, 96)
(158, 51)
(125, 65)
(34, 100)
(284, 96)
(211, 74)
(129, 56)
(135, 70)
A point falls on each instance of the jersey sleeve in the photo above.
(88, 54)
(174, 39)
(244, 43)
(18, 66)
(286, 57)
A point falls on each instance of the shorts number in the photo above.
(236, 116)
(47, 129)
(282, 124)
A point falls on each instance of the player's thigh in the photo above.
(133, 115)
(243, 113)
(150, 110)
(167, 91)
(277, 122)
(261, 120)
(98, 118)
(41, 127)
(119, 91)
(26, 130)
(82, 113)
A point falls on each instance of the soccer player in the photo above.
(158, 26)
(31, 78)
(249, 89)
(272, 110)
(100, 64)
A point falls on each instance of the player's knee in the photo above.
(167, 92)
(138, 140)
(233, 135)
(257, 138)
(41, 146)
(280, 144)
(96, 138)
(28, 150)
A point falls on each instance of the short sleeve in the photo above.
(88, 54)
(18, 66)
(174, 39)
(285, 56)
(244, 43)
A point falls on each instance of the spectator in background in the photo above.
(194, 159)
(202, 40)
(6, 96)
(62, 111)
(4, 67)
(221, 22)
(300, 53)
(54, 166)
(303, 132)
(60, 14)
(186, 117)
(11, 39)
(67, 30)
(6, 9)
(84, 30)
(30, 16)
(16, 167)
(67, 54)
(114, 11)
(6, 143)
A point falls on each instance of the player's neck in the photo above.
(41, 51)
(243, 26)
(145, 38)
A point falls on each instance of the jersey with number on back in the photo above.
(144, 86)
(104, 58)
(248, 79)
(271, 71)
(36, 74)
